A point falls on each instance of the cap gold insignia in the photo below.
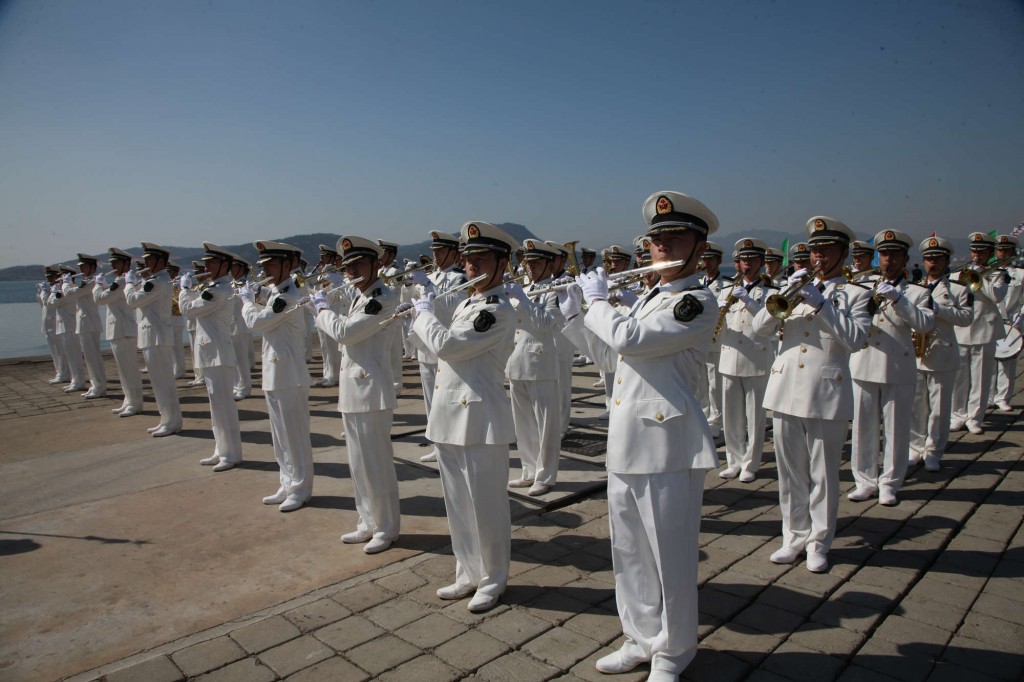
(819, 224)
(664, 205)
(1003, 239)
(261, 247)
(473, 231)
(529, 244)
(889, 236)
(346, 244)
(801, 247)
(932, 243)
(747, 244)
(645, 244)
(979, 237)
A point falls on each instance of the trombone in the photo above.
(850, 274)
(302, 280)
(781, 305)
(972, 279)
(398, 314)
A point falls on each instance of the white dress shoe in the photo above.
(56, 380)
(914, 460)
(429, 457)
(618, 662)
(1004, 406)
(729, 472)
(119, 410)
(225, 465)
(604, 416)
(599, 383)
(455, 591)
(277, 498)
(483, 602)
(520, 483)
(974, 427)
(291, 504)
(747, 477)
(376, 545)
(887, 498)
(817, 562)
(210, 461)
(356, 537)
(73, 388)
(956, 424)
(91, 395)
(786, 555)
(931, 463)
(165, 431)
(538, 489)
(859, 494)
(129, 412)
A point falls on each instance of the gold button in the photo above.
(807, 333)
(620, 358)
(619, 380)
(463, 401)
(800, 365)
(865, 344)
(839, 378)
(618, 402)
(660, 417)
(802, 349)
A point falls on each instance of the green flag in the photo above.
(785, 252)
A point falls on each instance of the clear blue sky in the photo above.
(232, 120)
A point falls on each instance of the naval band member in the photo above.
(122, 331)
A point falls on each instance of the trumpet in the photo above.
(850, 274)
(200, 285)
(444, 294)
(781, 305)
(972, 279)
(314, 276)
(398, 277)
(627, 275)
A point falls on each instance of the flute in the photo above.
(444, 294)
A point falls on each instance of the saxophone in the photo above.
(920, 344)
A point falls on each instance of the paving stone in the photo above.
(561, 647)
(1010, 610)
(159, 669)
(710, 664)
(821, 584)
(516, 667)
(438, 567)
(245, 670)
(742, 642)
(789, 599)
(401, 582)
(295, 655)
(856, 673)
(470, 650)
(586, 670)
(932, 589)
(934, 613)
(765, 676)
(549, 576)
(925, 638)
(600, 625)
(835, 641)
(516, 626)
(383, 653)
(395, 613)
(975, 655)
(428, 632)
(799, 663)
(768, 619)
(361, 597)
(265, 634)
(897, 582)
(206, 656)
(347, 633)
(900, 661)
(555, 607)
(424, 668)
(460, 613)
(738, 584)
(948, 672)
(1000, 634)
(317, 614)
(842, 614)
(334, 669)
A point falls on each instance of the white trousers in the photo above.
(1006, 375)
(535, 411)
(473, 480)
(243, 363)
(57, 355)
(90, 343)
(881, 410)
(289, 426)
(73, 358)
(807, 454)
(309, 343)
(178, 351)
(743, 420)
(654, 521)
(428, 373)
(331, 352)
(224, 412)
(165, 389)
(929, 425)
(564, 392)
(126, 357)
(713, 398)
(970, 393)
(371, 463)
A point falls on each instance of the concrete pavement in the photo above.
(125, 560)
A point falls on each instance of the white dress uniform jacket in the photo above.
(987, 326)
(151, 298)
(977, 351)
(64, 328)
(887, 355)
(122, 332)
(87, 329)
(48, 327)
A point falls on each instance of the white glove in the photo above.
(626, 297)
(409, 265)
(100, 280)
(319, 300)
(1018, 320)
(811, 295)
(418, 277)
(42, 287)
(888, 291)
(247, 293)
(334, 278)
(797, 276)
(514, 290)
(403, 308)
(424, 305)
(741, 294)
(594, 285)
(570, 301)
(65, 278)
(977, 268)
(132, 276)
(186, 281)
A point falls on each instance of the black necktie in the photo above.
(647, 299)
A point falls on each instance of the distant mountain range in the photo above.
(309, 243)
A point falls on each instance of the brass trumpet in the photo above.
(573, 269)
(972, 279)
(850, 274)
(781, 305)
(314, 277)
